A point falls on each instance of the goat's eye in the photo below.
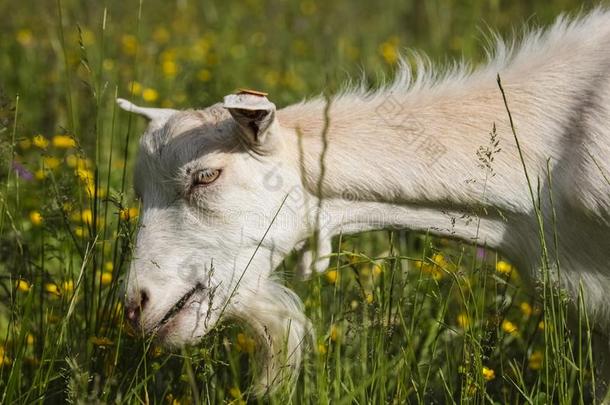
(205, 177)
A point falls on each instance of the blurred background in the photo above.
(67, 213)
(188, 54)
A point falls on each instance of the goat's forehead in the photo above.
(212, 124)
(187, 136)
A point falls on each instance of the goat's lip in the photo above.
(177, 307)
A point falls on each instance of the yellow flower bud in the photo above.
(332, 276)
(106, 277)
(23, 285)
(488, 374)
(52, 288)
(64, 142)
(36, 218)
(40, 142)
(150, 95)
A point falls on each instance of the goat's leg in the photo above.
(314, 259)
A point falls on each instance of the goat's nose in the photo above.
(134, 308)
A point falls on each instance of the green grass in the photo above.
(399, 317)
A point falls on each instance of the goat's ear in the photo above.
(254, 114)
(156, 116)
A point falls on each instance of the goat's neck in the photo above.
(389, 161)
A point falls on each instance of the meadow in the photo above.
(399, 317)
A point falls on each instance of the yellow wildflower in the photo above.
(134, 88)
(130, 44)
(90, 188)
(52, 288)
(40, 142)
(536, 360)
(509, 327)
(463, 320)
(72, 160)
(150, 95)
(22, 285)
(504, 267)
(526, 309)
(335, 333)
(129, 213)
(36, 218)
(369, 298)
(29, 339)
(4, 359)
(245, 343)
(488, 374)
(67, 286)
(106, 277)
(24, 37)
(377, 269)
(332, 276)
(432, 269)
(439, 260)
(322, 348)
(108, 266)
(87, 216)
(170, 68)
(235, 392)
(541, 325)
(64, 141)
(40, 174)
(85, 175)
(389, 50)
(50, 162)
(79, 231)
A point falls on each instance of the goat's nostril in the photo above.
(143, 299)
(134, 309)
(132, 314)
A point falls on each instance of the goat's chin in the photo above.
(186, 328)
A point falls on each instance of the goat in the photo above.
(229, 191)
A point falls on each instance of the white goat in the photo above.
(228, 191)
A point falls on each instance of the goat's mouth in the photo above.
(177, 308)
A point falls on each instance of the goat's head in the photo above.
(219, 213)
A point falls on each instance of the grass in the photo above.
(399, 317)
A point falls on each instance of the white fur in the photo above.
(403, 156)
